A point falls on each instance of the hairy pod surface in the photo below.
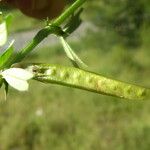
(82, 79)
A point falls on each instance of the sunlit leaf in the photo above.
(1, 17)
(8, 20)
(3, 33)
(4, 24)
(4, 58)
(77, 62)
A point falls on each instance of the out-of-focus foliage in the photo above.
(55, 117)
(125, 17)
(60, 118)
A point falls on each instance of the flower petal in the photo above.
(17, 73)
(21, 85)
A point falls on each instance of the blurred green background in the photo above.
(61, 118)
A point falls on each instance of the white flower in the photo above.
(17, 78)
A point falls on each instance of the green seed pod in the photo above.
(78, 78)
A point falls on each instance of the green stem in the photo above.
(69, 11)
(42, 34)
(81, 79)
(31, 45)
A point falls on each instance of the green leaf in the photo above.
(74, 22)
(3, 29)
(1, 82)
(4, 24)
(6, 89)
(8, 20)
(1, 17)
(77, 62)
(3, 33)
(4, 58)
